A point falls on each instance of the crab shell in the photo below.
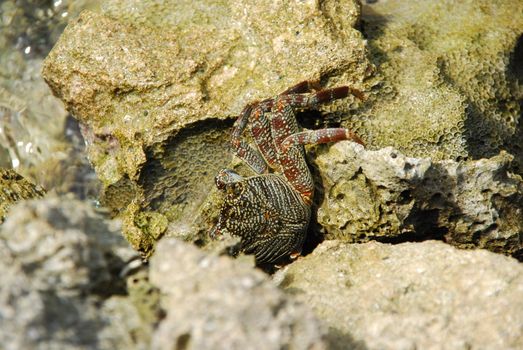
(267, 214)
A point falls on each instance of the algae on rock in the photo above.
(447, 88)
(450, 83)
(156, 86)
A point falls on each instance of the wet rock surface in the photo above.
(214, 302)
(36, 133)
(411, 295)
(383, 195)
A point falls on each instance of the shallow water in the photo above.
(38, 137)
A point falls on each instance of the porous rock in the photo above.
(156, 86)
(386, 196)
(214, 302)
(449, 78)
(410, 296)
(14, 188)
(61, 287)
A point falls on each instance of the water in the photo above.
(38, 137)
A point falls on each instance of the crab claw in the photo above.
(215, 232)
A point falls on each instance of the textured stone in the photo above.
(156, 107)
(449, 85)
(65, 245)
(386, 196)
(411, 296)
(61, 287)
(215, 302)
(14, 188)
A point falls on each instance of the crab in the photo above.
(265, 212)
(270, 211)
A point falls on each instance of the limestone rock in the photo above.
(157, 98)
(414, 295)
(476, 203)
(386, 196)
(215, 302)
(61, 287)
(67, 248)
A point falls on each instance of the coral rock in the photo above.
(215, 302)
(61, 287)
(410, 296)
(386, 196)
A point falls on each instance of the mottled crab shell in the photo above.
(267, 214)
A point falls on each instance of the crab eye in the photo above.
(226, 178)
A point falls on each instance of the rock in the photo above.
(155, 108)
(156, 101)
(146, 297)
(450, 82)
(35, 133)
(66, 246)
(60, 263)
(15, 188)
(479, 203)
(414, 295)
(215, 302)
(386, 196)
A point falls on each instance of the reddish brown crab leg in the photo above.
(312, 137)
(241, 148)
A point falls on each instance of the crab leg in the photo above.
(250, 156)
(241, 148)
(311, 137)
(302, 87)
(256, 108)
(260, 130)
(291, 161)
(266, 105)
(319, 97)
(296, 171)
